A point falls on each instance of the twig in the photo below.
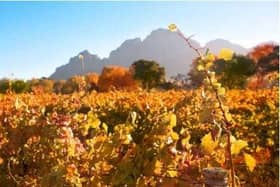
(228, 124)
(10, 173)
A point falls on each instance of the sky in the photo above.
(37, 37)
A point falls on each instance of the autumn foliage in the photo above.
(132, 138)
(116, 77)
(261, 51)
(92, 81)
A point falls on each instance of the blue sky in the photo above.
(37, 37)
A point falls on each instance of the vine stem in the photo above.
(10, 172)
(226, 129)
(226, 121)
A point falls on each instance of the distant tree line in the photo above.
(258, 69)
(142, 74)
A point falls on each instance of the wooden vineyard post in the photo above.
(215, 177)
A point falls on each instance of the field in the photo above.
(136, 138)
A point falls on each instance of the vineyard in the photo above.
(141, 138)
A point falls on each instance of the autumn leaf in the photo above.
(172, 173)
(250, 161)
(226, 54)
(200, 68)
(221, 91)
(158, 167)
(71, 169)
(174, 136)
(173, 120)
(208, 144)
(172, 27)
(237, 146)
(210, 57)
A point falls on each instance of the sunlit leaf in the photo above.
(174, 136)
(237, 146)
(210, 57)
(172, 27)
(221, 91)
(158, 167)
(226, 54)
(105, 127)
(250, 161)
(172, 173)
(208, 144)
(173, 120)
(200, 67)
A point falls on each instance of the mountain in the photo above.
(92, 63)
(161, 45)
(216, 45)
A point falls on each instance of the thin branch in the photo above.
(10, 172)
(228, 124)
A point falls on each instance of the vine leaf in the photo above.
(208, 144)
(237, 146)
(250, 161)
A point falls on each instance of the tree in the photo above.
(234, 73)
(116, 77)
(149, 73)
(195, 77)
(91, 81)
(20, 86)
(180, 80)
(260, 51)
(266, 56)
(270, 62)
(58, 85)
(43, 84)
(231, 73)
(74, 84)
(4, 85)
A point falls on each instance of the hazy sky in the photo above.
(37, 37)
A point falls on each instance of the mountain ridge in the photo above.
(161, 45)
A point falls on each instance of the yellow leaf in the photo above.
(228, 116)
(173, 120)
(186, 142)
(250, 161)
(105, 127)
(174, 136)
(172, 173)
(210, 57)
(232, 139)
(200, 68)
(208, 144)
(221, 91)
(226, 54)
(208, 65)
(172, 27)
(158, 166)
(237, 146)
